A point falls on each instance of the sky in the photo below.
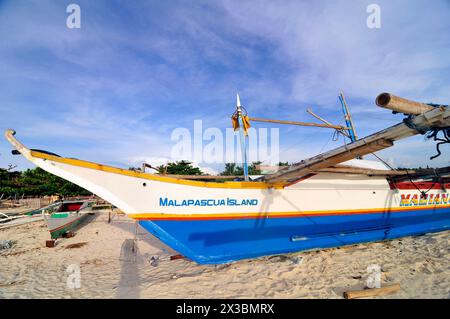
(114, 90)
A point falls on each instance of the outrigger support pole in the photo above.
(436, 118)
(341, 130)
(336, 127)
(348, 118)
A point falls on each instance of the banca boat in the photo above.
(329, 200)
(67, 216)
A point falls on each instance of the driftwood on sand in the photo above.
(372, 292)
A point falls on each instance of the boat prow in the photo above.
(26, 152)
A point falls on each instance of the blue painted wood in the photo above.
(219, 241)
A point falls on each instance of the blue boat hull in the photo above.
(223, 240)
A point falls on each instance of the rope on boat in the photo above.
(423, 193)
(446, 140)
(383, 161)
(430, 133)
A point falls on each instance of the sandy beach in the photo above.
(421, 265)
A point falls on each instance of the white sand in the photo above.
(30, 270)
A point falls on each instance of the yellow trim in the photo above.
(110, 169)
(284, 214)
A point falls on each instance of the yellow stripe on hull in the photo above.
(115, 170)
(158, 216)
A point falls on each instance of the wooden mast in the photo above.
(243, 136)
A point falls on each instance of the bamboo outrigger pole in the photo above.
(318, 117)
(336, 127)
(326, 122)
(401, 105)
(436, 118)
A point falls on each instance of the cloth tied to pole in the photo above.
(245, 123)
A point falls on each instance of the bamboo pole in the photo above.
(344, 169)
(438, 117)
(336, 127)
(318, 117)
(325, 121)
(401, 105)
(361, 171)
(372, 292)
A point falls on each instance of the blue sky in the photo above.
(114, 90)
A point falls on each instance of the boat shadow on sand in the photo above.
(132, 259)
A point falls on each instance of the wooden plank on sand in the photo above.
(373, 292)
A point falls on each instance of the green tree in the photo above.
(36, 182)
(179, 168)
(231, 169)
(252, 170)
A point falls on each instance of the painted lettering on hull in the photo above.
(423, 200)
(167, 202)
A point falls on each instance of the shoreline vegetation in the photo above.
(36, 182)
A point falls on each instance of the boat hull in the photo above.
(224, 240)
(221, 222)
(59, 226)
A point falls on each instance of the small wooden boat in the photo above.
(4, 218)
(67, 216)
(39, 211)
(11, 221)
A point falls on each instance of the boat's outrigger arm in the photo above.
(434, 118)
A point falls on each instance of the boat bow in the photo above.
(26, 152)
